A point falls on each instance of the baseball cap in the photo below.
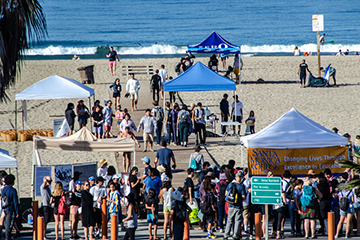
(240, 173)
(91, 178)
(78, 182)
(117, 176)
(146, 159)
(100, 179)
(176, 195)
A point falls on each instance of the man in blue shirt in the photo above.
(163, 156)
(12, 209)
(235, 216)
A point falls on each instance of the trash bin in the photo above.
(86, 74)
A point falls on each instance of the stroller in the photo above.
(320, 81)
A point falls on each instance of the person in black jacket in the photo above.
(87, 212)
(70, 117)
(224, 108)
(9, 195)
(155, 84)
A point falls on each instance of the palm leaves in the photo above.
(21, 23)
(353, 184)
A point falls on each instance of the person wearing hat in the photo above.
(335, 130)
(146, 162)
(235, 216)
(83, 113)
(75, 204)
(102, 170)
(198, 159)
(178, 206)
(99, 193)
(238, 115)
(76, 177)
(164, 155)
(91, 180)
(220, 189)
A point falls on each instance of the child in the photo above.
(98, 119)
(210, 215)
(151, 210)
(251, 122)
(114, 199)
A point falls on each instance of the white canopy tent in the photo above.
(83, 140)
(293, 130)
(9, 162)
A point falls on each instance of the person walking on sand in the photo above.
(164, 76)
(158, 113)
(303, 67)
(223, 57)
(238, 115)
(132, 87)
(112, 55)
(155, 84)
(238, 66)
(224, 108)
(116, 89)
(108, 115)
(148, 123)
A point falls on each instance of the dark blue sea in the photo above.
(261, 27)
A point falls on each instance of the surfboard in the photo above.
(329, 41)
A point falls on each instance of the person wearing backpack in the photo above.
(200, 125)
(308, 211)
(196, 159)
(183, 123)
(220, 190)
(60, 208)
(346, 204)
(158, 113)
(9, 204)
(235, 193)
(179, 212)
(208, 208)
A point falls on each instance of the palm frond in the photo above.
(348, 164)
(353, 184)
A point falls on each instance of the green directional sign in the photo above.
(265, 190)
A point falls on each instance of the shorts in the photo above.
(245, 212)
(107, 127)
(112, 63)
(150, 219)
(98, 129)
(134, 95)
(82, 118)
(74, 209)
(47, 214)
(118, 123)
(210, 218)
(98, 216)
(116, 95)
(357, 206)
(223, 59)
(148, 137)
(350, 210)
(238, 119)
(236, 71)
(167, 210)
(161, 85)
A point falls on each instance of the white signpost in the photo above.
(317, 26)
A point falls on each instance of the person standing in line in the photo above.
(133, 87)
(158, 113)
(116, 89)
(99, 193)
(238, 66)
(45, 201)
(108, 115)
(102, 170)
(200, 125)
(112, 55)
(70, 117)
(164, 76)
(59, 217)
(238, 115)
(148, 123)
(224, 108)
(178, 208)
(303, 67)
(183, 122)
(151, 212)
(87, 213)
(98, 119)
(131, 218)
(81, 110)
(75, 204)
(12, 210)
(155, 84)
(114, 200)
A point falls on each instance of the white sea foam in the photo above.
(154, 50)
(60, 50)
(311, 47)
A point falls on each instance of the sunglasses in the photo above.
(86, 184)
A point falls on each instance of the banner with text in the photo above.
(297, 161)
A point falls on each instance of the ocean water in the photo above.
(261, 27)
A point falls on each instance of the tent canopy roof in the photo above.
(55, 87)
(214, 44)
(84, 140)
(6, 161)
(294, 130)
(199, 78)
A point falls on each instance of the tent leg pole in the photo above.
(134, 157)
(18, 183)
(90, 115)
(241, 156)
(15, 121)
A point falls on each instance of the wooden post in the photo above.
(257, 226)
(35, 209)
(114, 227)
(331, 226)
(318, 51)
(104, 219)
(186, 229)
(40, 228)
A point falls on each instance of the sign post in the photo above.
(266, 190)
(317, 26)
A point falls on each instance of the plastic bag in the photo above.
(193, 216)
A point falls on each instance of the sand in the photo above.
(332, 106)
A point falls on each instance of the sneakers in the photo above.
(210, 236)
(200, 229)
(221, 230)
(336, 236)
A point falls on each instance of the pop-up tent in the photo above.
(83, 140)
(295, 143)
(9, 162)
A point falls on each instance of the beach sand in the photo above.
(332, 106)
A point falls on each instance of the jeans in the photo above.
(130, 234)
(8, 223)
(159, 126)
(175, 134)
(183, 129)
(234, 218)
(292, 209)
(172, 96)
(222, 214)
(200, 133)
(168, 133)
(178, 231)
(279, 214)
(157, 94)
(224, 119)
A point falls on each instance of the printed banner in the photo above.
(40, 173)
(297, 161)
(63, 174)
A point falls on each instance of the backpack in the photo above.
(181, 212)
(194, 164)
(5, 203)
(159, 115)
(183, 117)
(307, 197)
(63, 207)
(205, 205)
(177, 67)
(344, 202)
(233, 195)
(222, 191)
